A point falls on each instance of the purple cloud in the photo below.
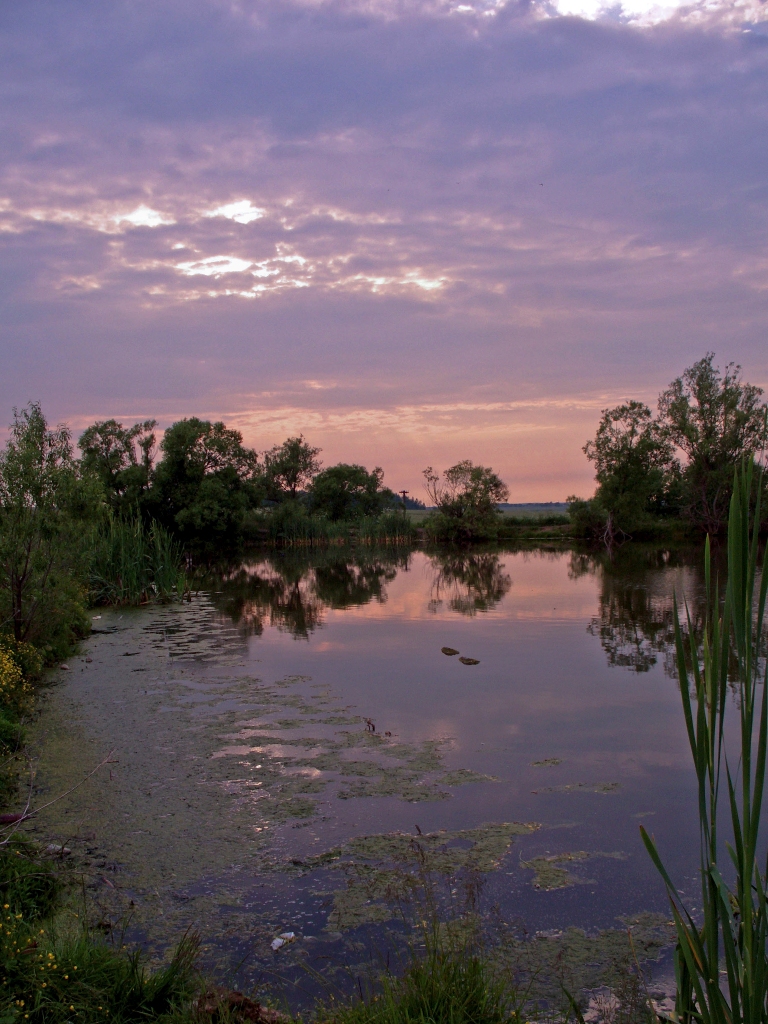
(417, 232)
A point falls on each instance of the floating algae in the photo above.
(450, 651)
(548, 762)
(210, 766)
(575, 961)
(383, 871)
(581, 787)
(469, 661)
(464, 776)
(551, 873)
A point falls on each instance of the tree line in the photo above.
(201, 489)
(676, 465)
(114, 524)
(206, 481)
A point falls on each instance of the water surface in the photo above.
(302, 701)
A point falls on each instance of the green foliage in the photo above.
(349, 492)
(55, 978)
(634, 462)
(134, 564)
(44, 502)
(63, 974)
(718, 421)
(450, 984)
(722, 963)
(205, 483)
(466, 500)
(56, 974)
(291, 522)
(28, 883)
(290, 467)
(110, 454)
(15, 689)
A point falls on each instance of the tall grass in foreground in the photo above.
(135, 564)
(443, 988)
(721, 964)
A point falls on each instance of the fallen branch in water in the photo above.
(12, 821)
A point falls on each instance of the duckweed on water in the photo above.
(382, 870)
(211, 766)
(551, 873)
(577, 961)
(581, 787)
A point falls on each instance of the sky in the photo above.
(417, 231)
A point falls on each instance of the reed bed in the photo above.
(135, 564)
(301, 530)
(721, 962)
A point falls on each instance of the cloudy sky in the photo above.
(415, 230)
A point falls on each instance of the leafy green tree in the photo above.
(348, 491)
(205, 483)
(44, 504)
(122, 458)
(635, 464)
(466, 500)
(290, 467)
(718, 421)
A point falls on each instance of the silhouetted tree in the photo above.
(206, 482)
(121, 458)
(717, 420)
(348, 491)
(290, 467)
(466, 500)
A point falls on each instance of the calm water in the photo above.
(304, 700)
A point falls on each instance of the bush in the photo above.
(15, 691)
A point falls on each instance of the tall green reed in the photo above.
(135, 564)
(720, 962)
(290, 524)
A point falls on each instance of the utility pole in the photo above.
(405, 495)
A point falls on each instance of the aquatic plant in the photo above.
(135, 564)
(292, 525)
(448, 984)
(721, 963)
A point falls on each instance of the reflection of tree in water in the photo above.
(471, 582)
(291, 590)
(344, 584)
(635, 622)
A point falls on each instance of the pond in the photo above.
(315, 726)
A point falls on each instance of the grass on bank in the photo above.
(54, 971)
